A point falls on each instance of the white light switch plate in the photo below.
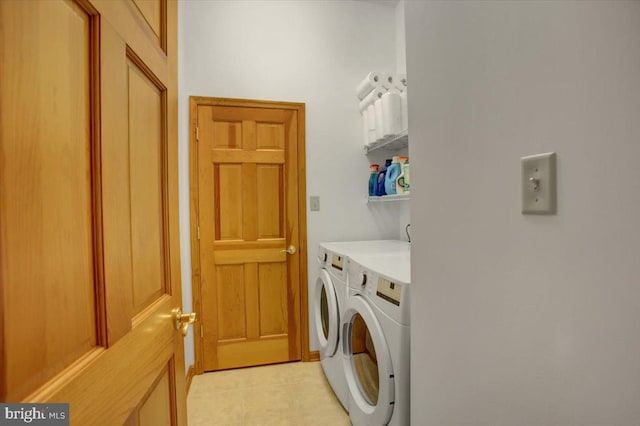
(539, 184)
(314, 202)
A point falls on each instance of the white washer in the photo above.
(330, 295)
(376, 339)
(329, 300)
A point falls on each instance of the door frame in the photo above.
(299, 107)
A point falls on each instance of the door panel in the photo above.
(231, 302)
(270, 201)
(88, 211)
(226, 134)
(146, 156)
(272, 279)
(227, 180)
(155, 409)
(46, 206)
(152, 10)
(248, 214)
(270, 136)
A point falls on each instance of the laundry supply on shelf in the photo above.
(380, 187)
(372, 81)
(402, 182)
(373, 176)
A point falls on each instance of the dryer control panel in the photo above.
(337, 262)
(389, 291)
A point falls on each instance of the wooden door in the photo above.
(89, 254)
(248, 215)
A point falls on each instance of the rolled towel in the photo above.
(371, 98)
(372, 81)
(379, 119)
(363, 105)
(400, 82)
(391, 113)
(387, 80)
(371, 123)
(371, 117)
(365, 127)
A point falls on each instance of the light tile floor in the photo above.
(283, 394)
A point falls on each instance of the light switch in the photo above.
(314, 201)
(539, 184)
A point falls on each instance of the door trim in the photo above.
(194, 102)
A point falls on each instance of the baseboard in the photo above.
(190, 373)
(314, 356)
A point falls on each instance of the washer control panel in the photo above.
(389, 291)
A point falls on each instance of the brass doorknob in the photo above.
(290, 250)
(183, 321)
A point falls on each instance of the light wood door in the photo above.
(89, 255)
(248, 216)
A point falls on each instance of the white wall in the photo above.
(401, 42)
(525, 320)
(308, 51)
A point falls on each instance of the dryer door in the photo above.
(367, 364)
(327, 318)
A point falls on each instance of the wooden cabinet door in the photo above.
(248, 216)
(89, 254)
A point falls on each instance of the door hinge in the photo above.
(201, 331)
(198, 231)
(197, 134)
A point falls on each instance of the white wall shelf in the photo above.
(388, 198)
(391, 143)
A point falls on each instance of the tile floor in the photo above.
(283, 394)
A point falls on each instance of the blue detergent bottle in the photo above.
(381, 179)
(373, 176)
(393, 171)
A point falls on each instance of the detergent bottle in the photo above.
(393, 171)
(380, 189)
(372, 179)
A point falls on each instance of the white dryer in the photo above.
(329, 300)
(376, 339)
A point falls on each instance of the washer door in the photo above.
(367, 364)
(327, 317)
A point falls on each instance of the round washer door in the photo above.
(326, 315)
(367, 364)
